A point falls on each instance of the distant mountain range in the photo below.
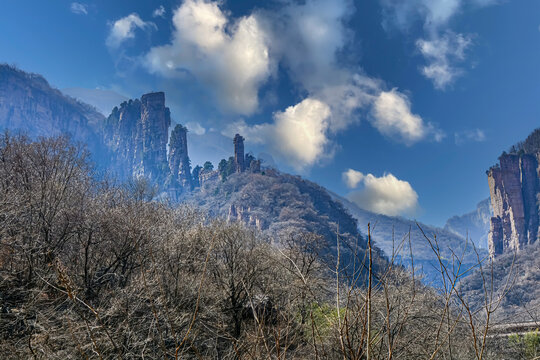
(393, 234)
(473, 225)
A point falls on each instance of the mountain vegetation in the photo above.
(91, 269)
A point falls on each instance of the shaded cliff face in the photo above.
(513, 188)
(30, 105)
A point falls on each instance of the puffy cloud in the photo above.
(159, 12)
(384, 195)
(476, 135)
(124, 28)
(302, 131)
(234, 57)
(392, 116)
(440, 54)
(298, 134)
(78, 8)
(352, 178)
(231, 58)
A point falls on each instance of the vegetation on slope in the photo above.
(93, 270)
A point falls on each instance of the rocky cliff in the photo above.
(130, 143)
(514, 189)
(28, 104)
(137, 133)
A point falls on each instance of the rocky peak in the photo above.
(137, 132)
(239, 153)
(155, 122)
(179, 164)
(513, 188)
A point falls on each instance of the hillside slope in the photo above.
(283, 205)
(28, 104)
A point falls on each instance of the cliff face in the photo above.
(137, 134)
(30, 105)
(513, 188)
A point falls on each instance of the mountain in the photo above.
(30, 105)
(130, 143)
(103, 100)
(512, 274)
(392, 235)
(515, 192)
(134, 142)
(284, 207)
(473, 225)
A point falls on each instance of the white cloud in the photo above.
(159, 12)
(299, 134)
(441, 48)
(440, 54)
(230, 57)
(352, 178)
(196, 128)
(384, 195)
(78, 8)
(392, 116)
(124, 28)
(234, 57)
(475, 135)
(302, 131)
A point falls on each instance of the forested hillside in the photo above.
(96, 270)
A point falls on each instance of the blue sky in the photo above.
(400, 105)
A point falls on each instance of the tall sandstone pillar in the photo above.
(155, 123)
(513, 187)
(180, 176)
(239, 160)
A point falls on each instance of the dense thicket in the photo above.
(89, 269)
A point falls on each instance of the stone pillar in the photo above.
(239, 153)
(178, 159)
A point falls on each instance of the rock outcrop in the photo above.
(179, 164)
(155, 123)
(514, 189)
(29, 105)
(239, 153)
(138, 133)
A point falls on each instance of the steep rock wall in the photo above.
(513, 188)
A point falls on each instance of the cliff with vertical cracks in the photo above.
(514, 190)
(138, 133)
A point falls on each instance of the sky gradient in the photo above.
(402, 106)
